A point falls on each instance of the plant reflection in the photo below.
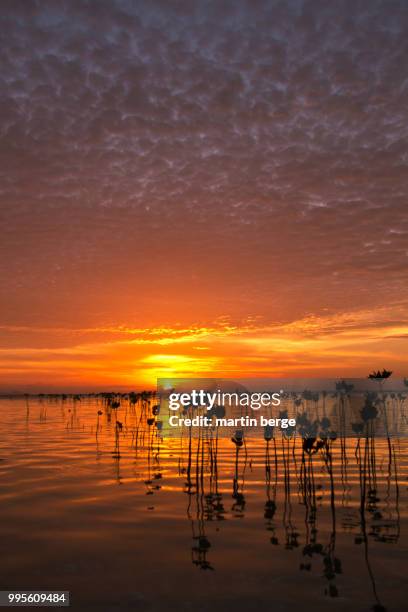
(310, 492)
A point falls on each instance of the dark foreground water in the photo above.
(126, 520)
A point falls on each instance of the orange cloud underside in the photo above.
(126, 357)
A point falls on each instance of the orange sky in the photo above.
(125, 357)
(213, 191)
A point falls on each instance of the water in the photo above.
(126, 520)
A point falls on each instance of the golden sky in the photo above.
(221, 190)
(122, 357)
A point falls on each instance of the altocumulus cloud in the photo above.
(265, 139)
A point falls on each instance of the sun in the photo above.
(176, 366)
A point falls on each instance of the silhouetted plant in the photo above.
(380, 375)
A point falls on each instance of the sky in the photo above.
(197, 187)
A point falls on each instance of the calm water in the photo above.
(126, 520)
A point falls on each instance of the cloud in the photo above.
(167, 163)
(349, 344)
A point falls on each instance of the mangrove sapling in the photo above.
(118, 429)
(99, 413)
(380, 377)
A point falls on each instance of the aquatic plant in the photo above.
(380, 375)
(238, 438)
(98, 414)
(118, 429)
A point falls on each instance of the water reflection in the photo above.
(317, 495)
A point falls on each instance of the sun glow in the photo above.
(173, 365)
(126, 356)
